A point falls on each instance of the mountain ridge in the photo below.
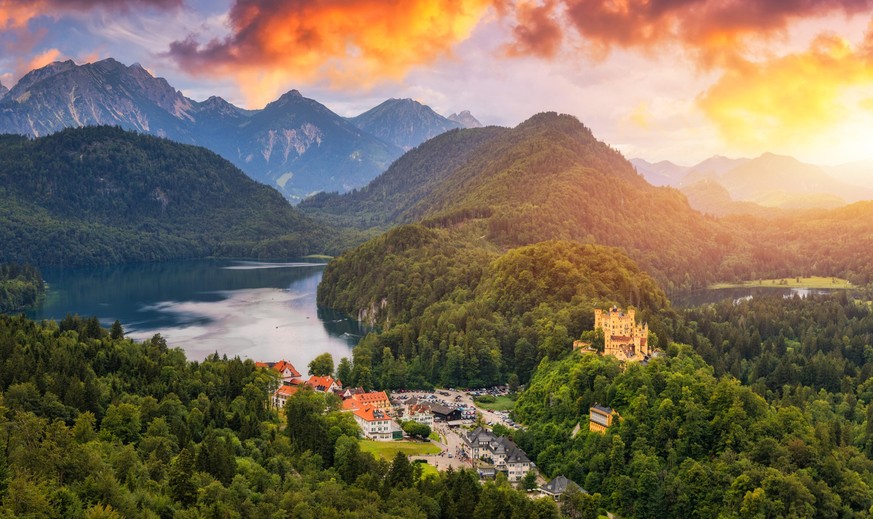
(405, 123)
(100, 195)
(295, 144)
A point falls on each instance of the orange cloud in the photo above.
(43, 59)
(350, 42)
(16, 13)
(708, 27)
(537, 30)
(791, 99)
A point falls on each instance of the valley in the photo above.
(478, 258)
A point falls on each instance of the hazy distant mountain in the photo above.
(664, 173)
(859, 173)
(3, 91)
(403, 122)
(713, 167)
(782, 181)
(465, 119)
(769, 180)
(710, 197)
(667, 173)
(294, 144)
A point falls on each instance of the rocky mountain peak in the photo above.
(3, 91)
(216, 104)
(37, 75)
(465, 119)
(405, 123)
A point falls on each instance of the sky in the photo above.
(677, 80)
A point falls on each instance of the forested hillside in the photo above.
(101, 195)
(548, 178)
(460, 315)
(95, 425)
(21, 287)
(792, 437)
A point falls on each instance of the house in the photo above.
(502, 452)
(601, 418)
(445, 414)
(623, 338)
(324, 384)
(557, 486)
(282, 394)
(288, 374)
(375, 423)
(377, 399)
(419, 413)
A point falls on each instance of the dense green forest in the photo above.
(693, 444)
(95, 425)
(100, 195)
(459, 315)
(21, 287)
(549, 178)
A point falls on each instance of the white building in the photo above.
(375, 423)
(500, 451)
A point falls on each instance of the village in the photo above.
(450, 419)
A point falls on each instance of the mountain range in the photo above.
(547, 178)
(403, 122)
(294, 144)
(767, 181)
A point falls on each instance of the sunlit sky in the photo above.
(658, 79)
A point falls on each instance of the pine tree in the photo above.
(181, 486)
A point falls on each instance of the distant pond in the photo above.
(717, 295)
(258, 310)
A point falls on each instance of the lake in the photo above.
(257, 310)
(716, 295)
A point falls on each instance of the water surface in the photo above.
(736, 294)
(263, 311)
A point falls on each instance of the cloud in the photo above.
(16, 13)
(537, 31)
(792, 98)
(345, 42)
(19, 37)
(708, 27)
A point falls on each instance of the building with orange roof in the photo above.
(281, 395)
(377, 399)
(324, 384)
(375, 423)
(288, 374)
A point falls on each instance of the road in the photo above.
(452, 440)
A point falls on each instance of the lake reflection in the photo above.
(263, 311)
(717, 295)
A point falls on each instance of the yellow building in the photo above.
(623, 338)
(600, 418)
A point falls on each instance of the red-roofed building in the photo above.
(324, 384)
(288, 374)
(375, 423)
(287, 371)
(281, 395)
(377, 399)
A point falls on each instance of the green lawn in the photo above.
(428, 470)
(811, 282)
(387, 450)
(501, 403)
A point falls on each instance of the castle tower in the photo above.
(623, 338)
